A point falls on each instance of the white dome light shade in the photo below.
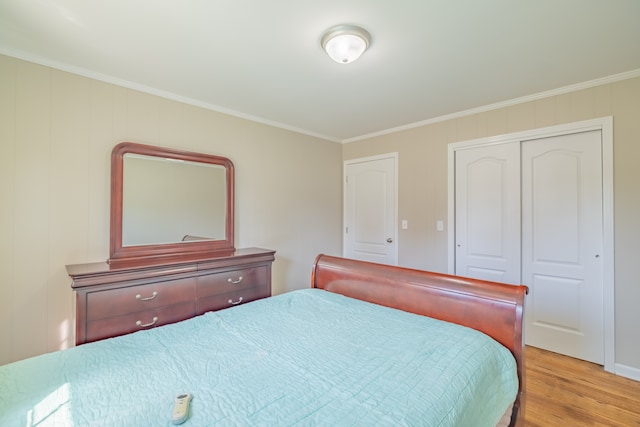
(345, 43)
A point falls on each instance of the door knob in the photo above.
(389, 240)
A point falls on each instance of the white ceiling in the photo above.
(261, 59)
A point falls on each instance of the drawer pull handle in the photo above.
(235, 302)
(230, 280)
(153, 295)
(146, 325)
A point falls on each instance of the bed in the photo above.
(366, 344)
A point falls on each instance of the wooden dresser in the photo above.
(114, 300)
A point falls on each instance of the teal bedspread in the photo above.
(304, 358)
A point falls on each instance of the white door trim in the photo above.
(605, 125)
(346, 163)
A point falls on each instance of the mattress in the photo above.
(303, 358)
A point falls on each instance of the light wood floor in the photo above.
(561, 391)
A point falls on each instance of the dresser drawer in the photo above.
(119, 325)
(115, 302)
(230, 281)
(229, 299)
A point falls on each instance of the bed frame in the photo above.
(495, 309)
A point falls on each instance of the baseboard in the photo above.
(627, 372)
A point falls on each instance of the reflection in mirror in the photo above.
(168, 200)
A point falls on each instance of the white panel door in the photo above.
(487, 206)
(370, 210)
(562, 244)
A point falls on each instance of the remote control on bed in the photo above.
(181, 408)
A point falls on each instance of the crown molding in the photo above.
(553, 92)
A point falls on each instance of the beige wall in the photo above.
(56, 134)
(422, 165)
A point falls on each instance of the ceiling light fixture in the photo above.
(345, 43)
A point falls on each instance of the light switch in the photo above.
(439, 225)
(405, 224)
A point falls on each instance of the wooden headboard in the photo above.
(495, 309)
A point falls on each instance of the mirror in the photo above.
(169, 205)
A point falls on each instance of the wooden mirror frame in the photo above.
(166, 253)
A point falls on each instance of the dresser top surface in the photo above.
(105, 268)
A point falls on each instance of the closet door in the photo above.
(562, 244)
(531, 212)
(487, 212)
